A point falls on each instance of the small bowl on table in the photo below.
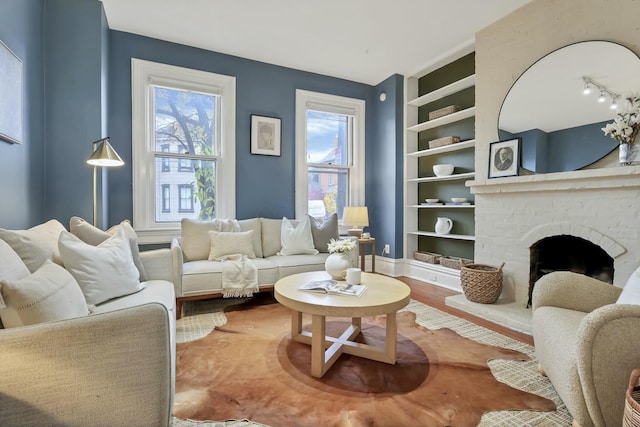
(443, 169)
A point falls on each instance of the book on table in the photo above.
(331, 286)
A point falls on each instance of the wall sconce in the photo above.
(103, 156)
(589, 84)
(355, 216)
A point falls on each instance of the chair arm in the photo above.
(111, 369)
(607, 353)
(177, 262)
(158, 264)
(573, 291)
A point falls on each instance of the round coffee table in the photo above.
(384, 295)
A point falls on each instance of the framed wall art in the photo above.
(504, 158)
(10, 96)
(265, 135)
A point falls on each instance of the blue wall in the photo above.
(265, 185)
(22, 166)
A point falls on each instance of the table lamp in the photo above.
(103, 156)
(357, 217)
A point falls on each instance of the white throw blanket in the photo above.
(239, 276)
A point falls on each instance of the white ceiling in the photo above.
(360, 40)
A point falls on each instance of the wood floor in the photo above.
(434, 296)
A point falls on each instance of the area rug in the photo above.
(249, 369)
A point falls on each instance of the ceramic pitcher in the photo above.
(443, 225)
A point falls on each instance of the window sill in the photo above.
(158, 236)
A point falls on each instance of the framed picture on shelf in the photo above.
(504, 158)
(10, 95)
(265, 135)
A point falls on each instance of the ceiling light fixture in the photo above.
(589, 83)
(601, 98)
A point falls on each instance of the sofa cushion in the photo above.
(296, 239)
(256, 225)
(37, 244)
(11, 265)
(225, 243)
(94, 236)
(271, 229)
(293, 264)
(160, 291)
(196, 244)
(49, 294)
(205, 277)
(324, 231)
(103, 272)
(631, 292)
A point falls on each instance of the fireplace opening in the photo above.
(568, 253)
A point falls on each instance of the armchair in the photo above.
(587, 344)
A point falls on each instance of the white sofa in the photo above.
(114, 366)
(196, 277)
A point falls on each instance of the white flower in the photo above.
(626, 124)
(341, 246)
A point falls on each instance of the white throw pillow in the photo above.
(196, 243)
(49, 294)
(296, 240)
(37, 244)
(94, 236)
(224, 243)
(631, 291)
(103, 272)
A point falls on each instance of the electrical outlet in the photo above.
(387, 249)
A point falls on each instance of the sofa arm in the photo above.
(177, 261)
(112, 369)
(158, 264)
(573, 291)
(607, 353)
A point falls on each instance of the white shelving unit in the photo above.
(434, 273)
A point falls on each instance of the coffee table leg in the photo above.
(318, 330)
(391, 340)
(296, 323)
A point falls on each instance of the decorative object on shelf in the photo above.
(441, 142)
(453, 262)
(432, 200)
(357, 217)
(443, 225)
(458, 199)
(504, 158)
(429, 257)
(481, 283)
(624, 129)
(443, 170)
(103, 156)
(337, 263)
(632, 401)
(11, 95)
(444, 111)
(265, 135)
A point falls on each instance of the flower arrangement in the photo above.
(626, 124)
(341, 246)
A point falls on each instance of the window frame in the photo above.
(332, 104)
(144, 76)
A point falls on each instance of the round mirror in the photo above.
(559, 123)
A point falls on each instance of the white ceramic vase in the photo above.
(623, 154)
(443, 225)
(336, 265)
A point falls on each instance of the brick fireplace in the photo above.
(600, 206)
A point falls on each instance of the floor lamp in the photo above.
(103, 156)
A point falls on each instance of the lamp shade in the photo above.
(355, 216)
(104, 155)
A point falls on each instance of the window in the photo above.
(184, 139)
(330, 153)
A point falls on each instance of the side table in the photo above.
(363, 244)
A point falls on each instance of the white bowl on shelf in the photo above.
(443, 170)
(432, 200)
(458, 199)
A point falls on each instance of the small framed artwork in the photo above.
(504, 158)
(10, 95)
(265, 135)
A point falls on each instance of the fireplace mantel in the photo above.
(613, 177)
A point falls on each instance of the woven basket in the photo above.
(440, 142)
(444, 111)
(453, 262)
(481, 283)
(631, 416)
(427, 257)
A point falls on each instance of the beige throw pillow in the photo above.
(225, 243)
(103, 272)
(296, 239)
(37, 244)
(196, 244)
(49, 294)
(94, 236)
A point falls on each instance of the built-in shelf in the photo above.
(443, 206)
(443, 236)
(444, 178)
(444, 149)
(454, 87)
(441, 121)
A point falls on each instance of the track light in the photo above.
(614, 105)
(601, 98)
(589, 84)
(587, 88)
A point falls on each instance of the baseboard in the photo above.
(388, 266)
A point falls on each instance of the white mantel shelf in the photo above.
(611, 177)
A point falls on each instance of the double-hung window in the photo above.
(329, 153)
(183, 148)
